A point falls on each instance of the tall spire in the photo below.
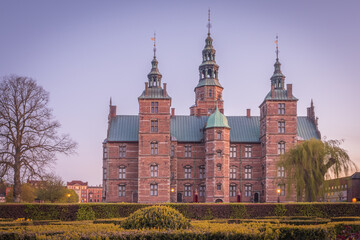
(209, 23)
(277, 79)
(154, 76)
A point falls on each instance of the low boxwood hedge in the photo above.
(201, 211)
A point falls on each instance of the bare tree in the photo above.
(29, 140)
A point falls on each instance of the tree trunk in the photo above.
(17, 182)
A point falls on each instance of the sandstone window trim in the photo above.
(154, 170)
(248, 151)
(154, 126)
(232, 190)
(248, 172)
(154, 148)
(281, 147)
(281, 126)
(281, 108)
(153, 189)
(187, 190)
(154, 107)
(188, 151)
(122, 172)
(248, 190)
(233, 149)
(233, 172)
(121, 190)
(187, 172)
(122, 151)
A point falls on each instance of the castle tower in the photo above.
(217, 144)
(154, 139)
(208, 92)
(278, 132)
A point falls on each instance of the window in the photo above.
(218, 186)
(154, 107)
(232, 190)
(281, 127)
(248, 172)
(154, 170)
(218, 166)
(218, 135)
(122, 172)
(187, 191)
(154, 148)
(122, 190)
(210, 93)
(248, 151)
(104, 173)
(218, 153)
(282, 189)
(281, 172)
(209, 111)
(172, 152)
(122, 151)
(281, 108)
(233, 172)
(187, 151)
(248, 189)
(281, 147)
(154, 125)
(233, 151)
(202, 191)
(105, 153)
(153, 189)
(187, 172)
(202, 171)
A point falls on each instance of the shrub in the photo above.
(161, 217)
(279, 210)
(85, 212)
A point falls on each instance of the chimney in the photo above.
(164, 92)
(308, 112)
(172, 112)
(289, 90)
(248, 112)
(272, 91)
(146, 88)
(112, 113)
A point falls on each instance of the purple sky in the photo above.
(83, 52)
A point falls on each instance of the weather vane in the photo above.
(154, 40)
(277, 46)
(209, 24)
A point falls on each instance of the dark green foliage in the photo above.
(280, 210)
(85, 212)
(160, 217)
(238, 211)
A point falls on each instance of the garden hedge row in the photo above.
(70, 212)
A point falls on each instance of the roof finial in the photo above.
(154, 40)
(209, 23)
(277, 47)
(110, 101)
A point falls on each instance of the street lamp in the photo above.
(354, 200)
(278, 191)
(68, 195)
(172, 190)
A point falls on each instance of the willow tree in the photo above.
(310, 162)
(29, 139)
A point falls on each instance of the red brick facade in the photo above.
(153, 165)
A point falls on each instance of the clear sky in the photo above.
(83, 52)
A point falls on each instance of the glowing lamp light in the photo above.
(172, 190)
(278, 191)
(68, 194)
(354, 200)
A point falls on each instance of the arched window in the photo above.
(153, 189)
(218, 153)
(218, 166)
(187, 170)
(248, 190)
(210, 93)
(281, 126)
(218, 135)
(154, 170)
(281, 147)
(122, 150)
(218, 186)
(232, 190)
(187, 190)
(209, 73)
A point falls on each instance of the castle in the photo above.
(158, 156)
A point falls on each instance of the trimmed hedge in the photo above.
(201, 211)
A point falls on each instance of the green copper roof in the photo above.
(208, 82)
(155, 93)
(217, 119)
(124, 128)
(279, 94)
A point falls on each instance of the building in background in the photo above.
(94, 193)
(80, 188)
(343, 189)
(158, 156)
